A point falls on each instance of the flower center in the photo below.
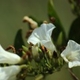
(72, 56)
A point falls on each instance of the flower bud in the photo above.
(30, 21)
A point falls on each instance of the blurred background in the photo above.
(11, 16)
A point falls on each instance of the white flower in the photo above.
(42, 35)
(9, 73)
(71, 54)
(8, 57)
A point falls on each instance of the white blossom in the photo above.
(8, 57)
(9, 73)
(71, 54)
(42, 35)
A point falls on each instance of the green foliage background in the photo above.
(12, 13)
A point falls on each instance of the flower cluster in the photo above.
(10, 72)
(11, 59)
(43, 53)
(42, 35)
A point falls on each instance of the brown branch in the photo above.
(73, 75)
(11, 47)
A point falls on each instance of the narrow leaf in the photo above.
(57, 22)
(60, 39)
(74, 32)
(18, 42)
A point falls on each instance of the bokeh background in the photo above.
(11, 16)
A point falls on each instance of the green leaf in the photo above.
(52, 12)
(18, 42)
(57, 22)
(74, 32)
(60, 39)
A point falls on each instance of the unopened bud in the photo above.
(49, 54)
(52, 19)
(39, 77)
(24, 66)
(32, 23)
(25, 48)
(45, 22)
(35, 51)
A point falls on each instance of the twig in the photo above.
(11, 47)
(73, 75)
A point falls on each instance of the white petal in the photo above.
(73, 45)
(9, 73)
(74, 64)
(42, 35)
(72, 54)
(65, 59)
(49, 45)
(8, 57)
(72, 50)
(67, 50)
